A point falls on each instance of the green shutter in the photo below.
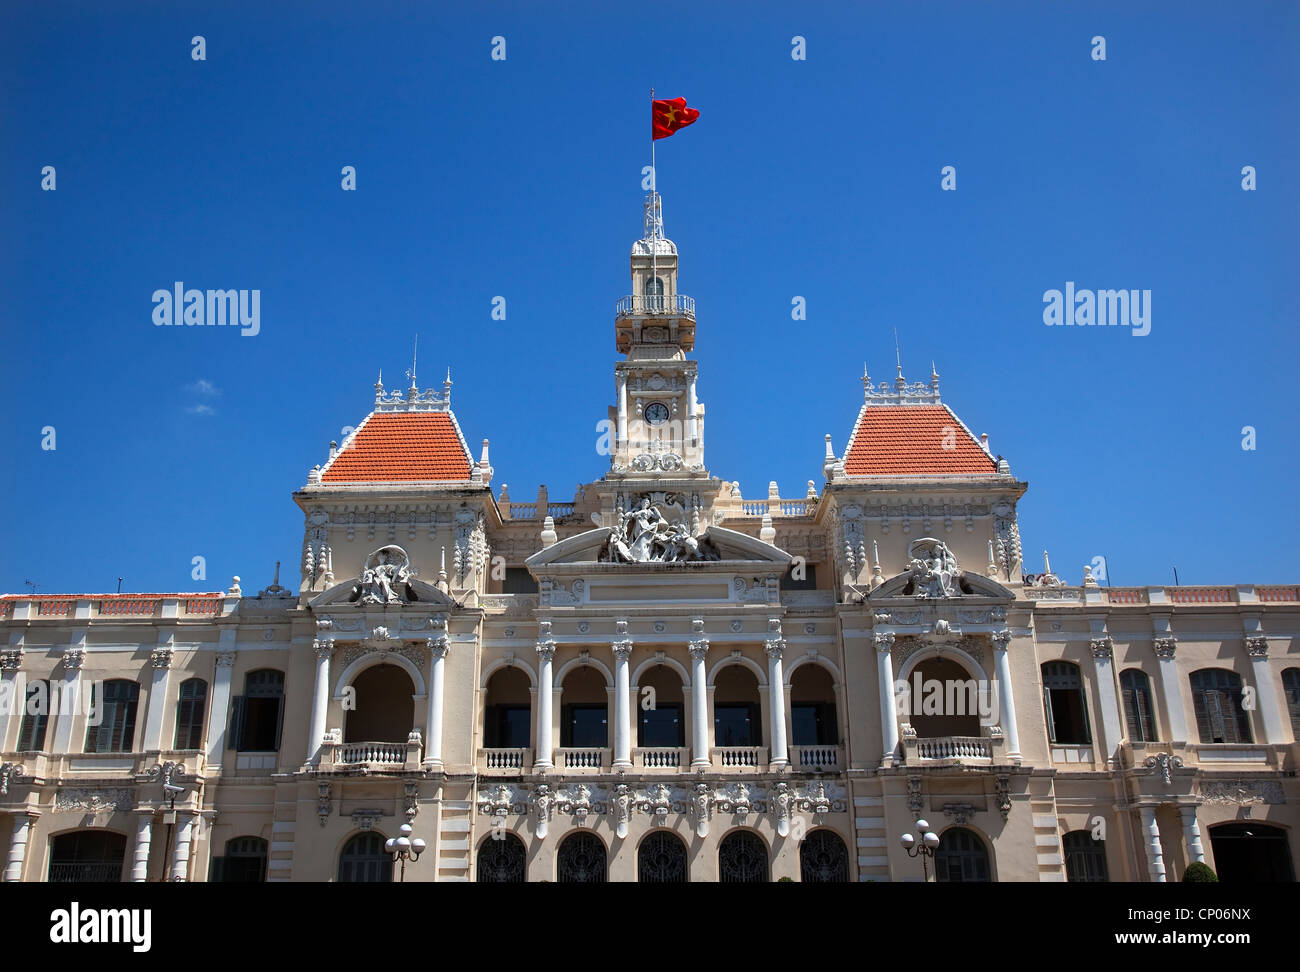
(235, 738)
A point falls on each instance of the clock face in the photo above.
(656, 413)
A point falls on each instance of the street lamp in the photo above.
(925, 849)
(404, 847)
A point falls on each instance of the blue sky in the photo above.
(521, 178)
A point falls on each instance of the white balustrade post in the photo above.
(438, 649)
(70, 695)
(1192, 834)
(1265, 690)
(220, 703)
(320, 699)
(18, 846)
(181, 853)
(161, 661)
(884, 642)
(1111, 724)
(1165, 649)
(699, 649)
(622, 701)
(1002, 669)
(1155, 852)
(143, 837)
(545, 694)
(775, 647)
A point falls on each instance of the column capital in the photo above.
(439, 648)
(226, 659)
(1257, 646)
(775, 648)
(161, 658)
(73, 659)
(324, 650)
(1001, 639)
(699, 648)
(546, 650)
(622, 648)
(884, 641)
(11, 659)
(1164, 647)
(1103, 649)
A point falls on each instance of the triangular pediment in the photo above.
(969, 584)
(591, 546)
(415, 591)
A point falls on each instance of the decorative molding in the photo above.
(73, 659)
(1003, 789)
(10, 773)
(226, 659)
(1103, 649)
(366, 819)
(960, 812)
(1257, 647)
(1242, 792)
(323, 802)
(94, 801)
(1164, 647)
(1164, 764)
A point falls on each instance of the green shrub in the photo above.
(1199, 873)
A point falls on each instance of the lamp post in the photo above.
(404, 847)
(925, 849)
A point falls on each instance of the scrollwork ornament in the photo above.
(1164, 764)
(1257, 647)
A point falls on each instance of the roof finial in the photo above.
(898, 357)
(414, 357)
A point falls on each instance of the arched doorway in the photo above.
(86, 856)
(364, 860)
(812, 707)
(742, 859)
(507, 710)
(584, 709)
(823, 858)
(961, 857)
(663, 723)
(581, 859)
(502, 859)
(736, 713)
(1251, 853)
(943, 699)
(661, 859)
(385, 709)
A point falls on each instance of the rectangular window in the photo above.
(518, 581)
(584, 726)
(507, 727)
(735, 724)
(36, 715)
(662, 726)
(116, 704)
(812, 724)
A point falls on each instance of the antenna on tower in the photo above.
(898, 358)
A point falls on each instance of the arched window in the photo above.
(663, 723)
(190, 704)
(364, 860)
(654, 293)
(36, 716)
(86, 856)
(823, 858)
(507, 714)
(736, 719)
(259, 712)
(584, 709)
(961, 856)
(1085, 857)
(742, 859)
(502, 859)
(1216, 700)
(1138, 712)
(812, 707)
(581, 859)
(384, 706)
(1251, 852)
(1067, 711)
(661, 859)
(115, 705)
(244, 862)
(1291, 688)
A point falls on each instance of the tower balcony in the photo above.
(655, 319)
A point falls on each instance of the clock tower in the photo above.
(658, 421)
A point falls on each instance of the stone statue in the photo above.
(384, 577)
(933, 568)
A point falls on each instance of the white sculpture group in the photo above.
(643, 535)
(385, 576)
(933, 568)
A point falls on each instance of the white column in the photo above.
(1155, 853)
(699, 704)
(438, 648)
(18, 846)
(692, 429)
(1265, 690)
(161, 660)
(888, 703)
(1112, 726)
(69, 697)
(320, 699)
(776, 696)
(545, 693)
(622, 705)
(1002, 671)
(1192, 834)
(13, 696)
(620, 379)
(181, 854)
(143, 835)
(1164, 648)
(220, 717)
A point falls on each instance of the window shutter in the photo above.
(279, 722)
(1083, 714)
(235, 739)
(1047, 709)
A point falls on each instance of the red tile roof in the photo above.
(917, 440)
(402, 447)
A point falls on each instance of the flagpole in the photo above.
(654, 200)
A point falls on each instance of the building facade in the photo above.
(657, 680)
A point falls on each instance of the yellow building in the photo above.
(657, 680)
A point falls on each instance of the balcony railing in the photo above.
(506, 760)
(581, 758)
(660, 757)
(817, 757)
(739, 757)
(958, 750)
(86, 873)
(371, 756)
(667, 305)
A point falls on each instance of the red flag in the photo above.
(666, 117)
